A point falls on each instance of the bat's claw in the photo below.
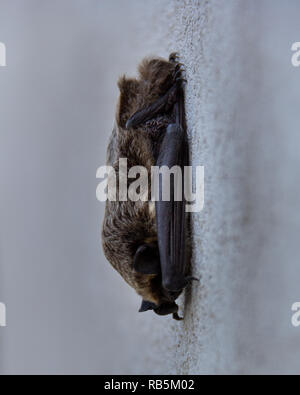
(176, 317)
(174, 57)
(178, 73)
(179, 66)
(190, 279)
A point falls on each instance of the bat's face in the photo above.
(147, 263)
(166, 304)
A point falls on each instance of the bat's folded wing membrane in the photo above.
(170, 215)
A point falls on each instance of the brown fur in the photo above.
(127, 225)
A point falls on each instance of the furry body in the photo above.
(128, 225)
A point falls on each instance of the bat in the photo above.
(145, 241)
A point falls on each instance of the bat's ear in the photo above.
(146, 259)
(145, 306)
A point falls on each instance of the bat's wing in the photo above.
(163, 104)
(170, 215)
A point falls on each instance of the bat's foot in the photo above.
(164, 103)
(176, 317)
(189, 279)
(179, 71)
(179, 75)
(174, 57)
(160, 106)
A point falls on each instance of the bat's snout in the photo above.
(166, 308)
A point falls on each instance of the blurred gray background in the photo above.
(67, 310)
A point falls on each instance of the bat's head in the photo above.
(163, 309)
(155, 296)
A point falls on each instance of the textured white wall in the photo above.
(242, 118)
(207, 36)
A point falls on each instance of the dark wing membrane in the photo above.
(170, 216)
(163, 104)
